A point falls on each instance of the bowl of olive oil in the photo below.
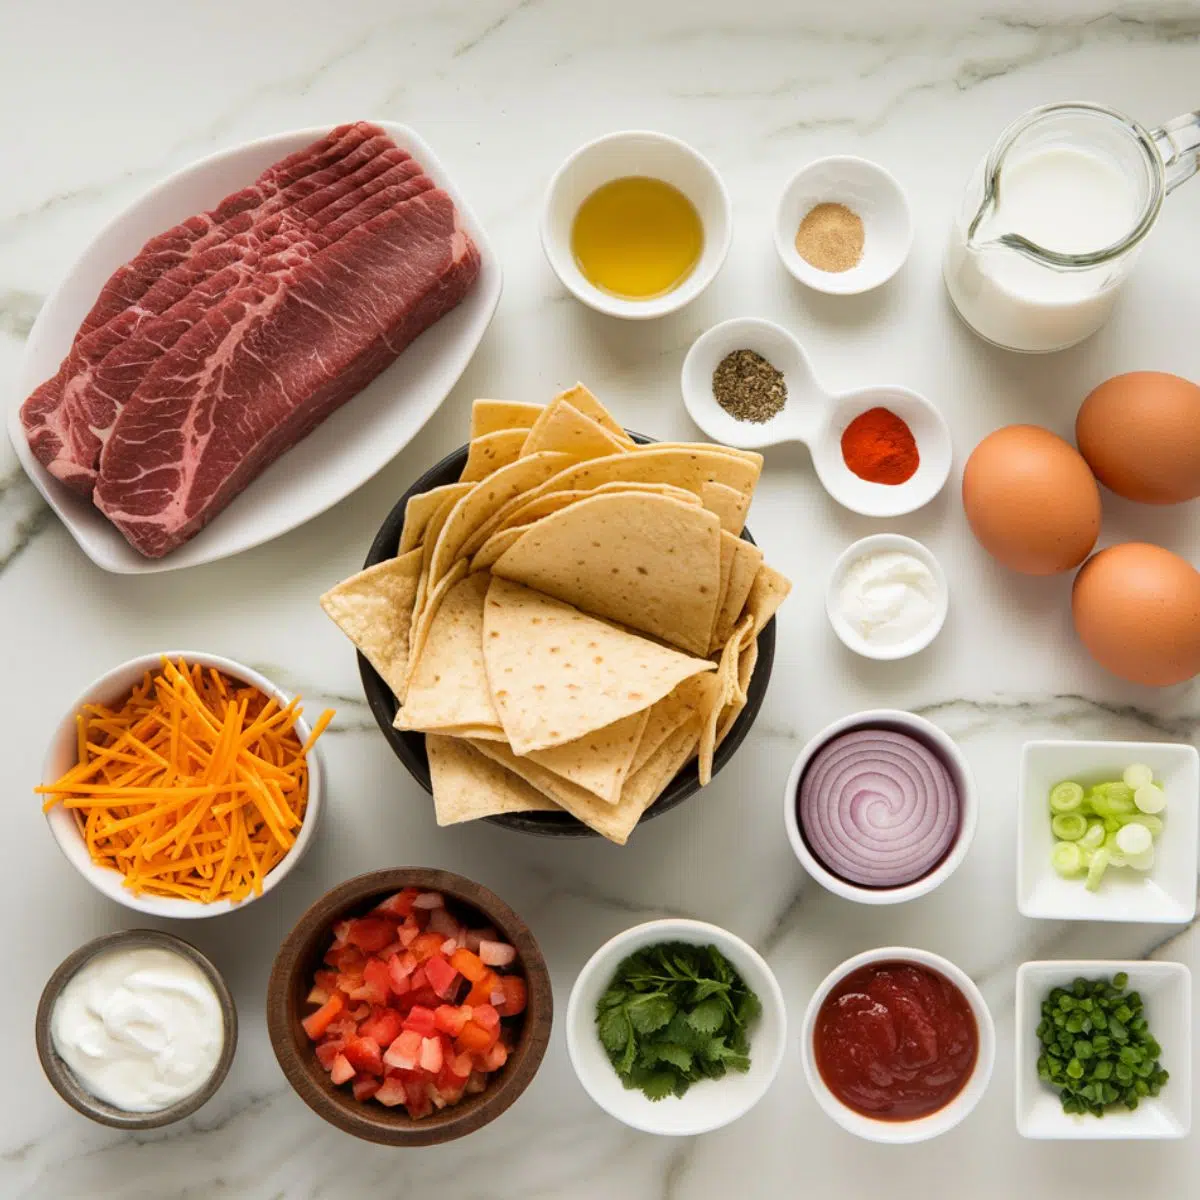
(636, 224)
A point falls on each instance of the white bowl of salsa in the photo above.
(893, 999)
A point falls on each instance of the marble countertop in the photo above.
(102, 100)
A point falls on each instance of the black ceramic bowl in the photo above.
(410, 747)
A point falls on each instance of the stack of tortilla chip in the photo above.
(572, 622)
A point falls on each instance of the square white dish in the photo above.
(342, 453)
(1166, 990)
(1167, 892)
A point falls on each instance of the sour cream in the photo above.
(888, 597)
(140, 1028)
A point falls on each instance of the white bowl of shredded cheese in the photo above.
(887, 597)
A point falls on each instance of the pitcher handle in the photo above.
(1178, 142)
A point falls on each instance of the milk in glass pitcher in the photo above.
(1052, 220)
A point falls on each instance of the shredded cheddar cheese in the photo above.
(195, 787)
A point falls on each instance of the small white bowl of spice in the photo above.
(887, 597)
(843, 225)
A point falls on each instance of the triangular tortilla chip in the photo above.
(424, 620)
(421, 508)
(557, 674)
(743, 567)
(767, 593)
(448, 686)
(599, 761)
(563, 427)
(494, 547)
(729, 504)
(467, 785)
(651, 780)
(374, 608)
(433, 530)
(690, 701)
(490, 416)
(727, 675)
(488, 733)
(730, 713)
(553, 502)
(579, 397)
(492, 451)
(646, 561)
(484, 500)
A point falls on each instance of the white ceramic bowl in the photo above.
(1167, 892)
(615, 156)
(710, 1104)
(920, 1130)
(880, 543)
(1166, 990)
(352, 446)
(960, 772)
(866, 189)
(817, 418)
(112, 687)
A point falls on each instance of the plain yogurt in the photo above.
(140, 1028)
(888, 597)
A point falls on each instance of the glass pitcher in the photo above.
(1053, 218)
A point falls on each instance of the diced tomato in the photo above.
(364, 1054)
(369, 993)
(487, 1016)
(371, 933)
(420, 1103)
(399, 905)
(421, 1020)
(409, 931)
(497, 954)
(443, 978)
(481, 991)
(317, 996)
(425, 944)
(431, 1055)
(516, 996)
(384, 1025)
(327, 1051)
(419, 979)
(496, 1057)
(392, 1091)
(429, 900)
(477, 1083)
(405, 1051)
(342, 1070)
(344, 1027)
(326, 980)
(468, 965)
(360, 1012)
(423, 997)
(474, 1039)
(316, 1023)
(341, 930)
(450, 1019)
(377, 975)
(349, 959)
(365, 1086)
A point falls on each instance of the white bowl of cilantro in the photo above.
(676, 1027)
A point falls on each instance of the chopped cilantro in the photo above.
(674, 1014)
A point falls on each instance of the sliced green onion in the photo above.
(1141, 862)
(1137, 775)
(1152, 823)
(1067, 859)
(1094, 837)
(1066, 796)
(1069, 827)
(1133, 839)
(1150, 798)
(1096, 868)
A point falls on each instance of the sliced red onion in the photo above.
(878, 808)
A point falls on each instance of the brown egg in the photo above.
(1137, 610)
(1140, 434)
(1031, 500)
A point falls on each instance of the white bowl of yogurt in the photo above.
(887, 597)
(136, 1029)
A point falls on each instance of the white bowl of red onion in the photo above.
(880, 807)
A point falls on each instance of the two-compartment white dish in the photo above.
(1166, 991)
(340, 455)
(817, 418)
(1167, 892)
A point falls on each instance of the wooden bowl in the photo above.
(63, 1078)
(291, 978)
(409, 747)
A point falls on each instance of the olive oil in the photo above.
(637, 238)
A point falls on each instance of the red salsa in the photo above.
(895, 1041)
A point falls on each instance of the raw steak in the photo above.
(153, 279)
(270, 362)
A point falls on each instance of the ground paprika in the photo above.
(880, 448)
